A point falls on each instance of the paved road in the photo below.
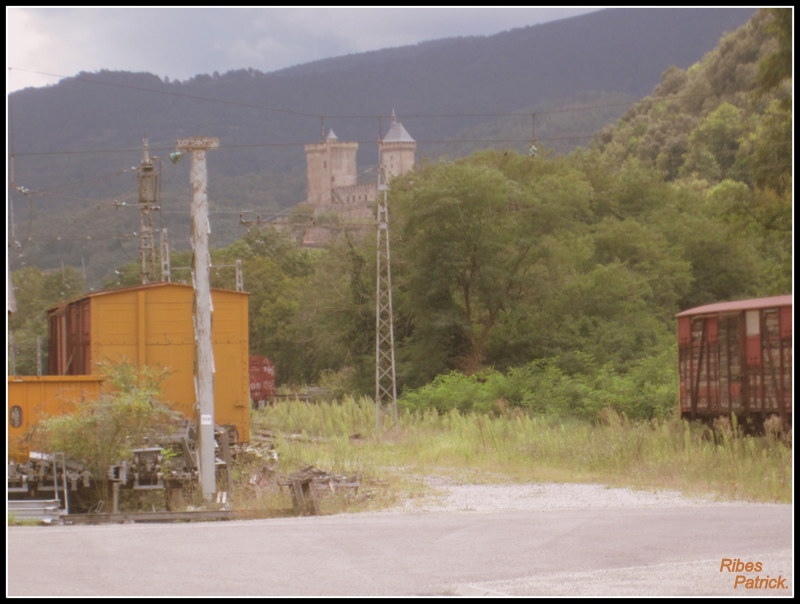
(639, 551)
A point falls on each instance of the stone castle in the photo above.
(335, 197)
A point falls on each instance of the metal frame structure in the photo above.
(385, 378)
(149, 177)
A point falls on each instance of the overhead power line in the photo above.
(303, 143)
(77, 237)
(450, 141)
(323, 116)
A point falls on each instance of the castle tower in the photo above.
(397, 150)
(330, 164)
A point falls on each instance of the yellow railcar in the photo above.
(31, 399)
(146, 325)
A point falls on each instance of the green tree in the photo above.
(604, 312)
(644, 250)
(725, 262)
(713, 145)
(767, 152)
(460, 237)
(36, 292)
(759, 221)
(275, 274)
(335, 325)
(777, 66)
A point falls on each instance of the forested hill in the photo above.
(707, 122)
(73, 143)
(546, 282)
(724, 127)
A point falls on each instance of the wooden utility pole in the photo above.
(201, 259)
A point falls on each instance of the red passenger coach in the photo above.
(736, 358)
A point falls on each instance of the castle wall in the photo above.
(339, 202)
(329, 165)
(397, 158)
(358, 203)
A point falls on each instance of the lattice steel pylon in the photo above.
(148, 199)
(385, 380)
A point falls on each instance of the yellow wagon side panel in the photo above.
(168, 331)
(231, 361)
(114, 329)
(32, 399)
(153, 325)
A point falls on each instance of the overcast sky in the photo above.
(183, 42)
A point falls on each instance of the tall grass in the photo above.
(521, 447)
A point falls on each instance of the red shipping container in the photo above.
(262, 380)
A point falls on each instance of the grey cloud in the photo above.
(185, 41)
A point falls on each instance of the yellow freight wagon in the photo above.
(31, 399)
(154, 325)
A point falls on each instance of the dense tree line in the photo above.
(35, 292)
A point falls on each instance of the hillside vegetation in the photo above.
(548, 284)
(72, 144)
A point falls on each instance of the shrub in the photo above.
(105, 431)
(453, 391)
(645, 391)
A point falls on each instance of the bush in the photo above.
(452, 391)
(105, 431)
(646, 391)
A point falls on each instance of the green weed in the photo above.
(339, 437)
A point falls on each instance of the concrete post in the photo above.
(202, 299)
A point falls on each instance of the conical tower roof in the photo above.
(396, 133)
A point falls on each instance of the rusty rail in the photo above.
(127, 517)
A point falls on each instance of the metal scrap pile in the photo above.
(308, 484)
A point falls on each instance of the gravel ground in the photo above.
(683, 578)
(453, 496)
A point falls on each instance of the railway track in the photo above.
(135, 517)
(49, 511)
